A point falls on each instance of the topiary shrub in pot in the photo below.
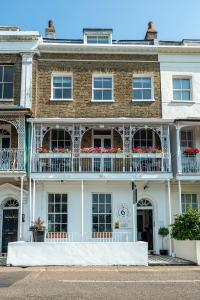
(38, 230)
(163, 232)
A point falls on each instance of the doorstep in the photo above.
(3, 261)
(165, 260)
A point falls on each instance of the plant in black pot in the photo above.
(163, 232)
(38, 230)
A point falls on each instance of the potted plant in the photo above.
(38, 230)
(163, 232)
(186, 234)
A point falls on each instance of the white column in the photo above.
(30, 200)
(21, 209)
(179, 196)
(179, 166)
(26, 80)
(33, 218)
(170, 214)
(82, 208)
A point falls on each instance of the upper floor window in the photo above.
(62, 87)
(189, 200)
(181, 89)
(98, 39)
(142, 88)
(102, 88)
(6, 82)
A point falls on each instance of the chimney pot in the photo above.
(50, 31)
(152, 33)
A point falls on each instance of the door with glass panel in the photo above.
(102, 139)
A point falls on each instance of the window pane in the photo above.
(1, 73)
(1, 89)
(98, 83)
(95, 208)
(177, 95)
(176, 84)
(186, 84)
(67, 82)
(102, 198)
(146, 94)
(95, 198)
(137, 83)
(137, 94)
(8, 74)
(64, 228)
(67, 94)
(51, 208)
(57, 94)
(185, 95)
(57, 198)
(57, 81)
(102, 219)
(64, 208)
(107, 95)
(8, 91)
(98, 95)
(95, 218)
(108, 198)
(107, 83)
(51, 198)
(102, 228)
(146, 82)
(64, 198)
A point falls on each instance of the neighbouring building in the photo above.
(100, 150)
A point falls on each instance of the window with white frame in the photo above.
(59, 138)
(102, 88)
(181, 89)
(57, 212)
(142, 88)
(146, 138)
(62, 87)
(189, 201)
(6, 82)
(101, 212)
(187, 140)
(98, 39)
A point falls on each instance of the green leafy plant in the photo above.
(37, 225)
(163, 231)
(186, 226)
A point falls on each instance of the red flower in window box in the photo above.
(43, 150)
(191, 151)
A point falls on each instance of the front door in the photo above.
(145, 227)
(10, 228)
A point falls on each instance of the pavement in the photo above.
(113, 283)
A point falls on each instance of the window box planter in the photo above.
(188, 249)
(147, 155)
(56, 235)
(101, 155)
(53, 155)
(102, 235)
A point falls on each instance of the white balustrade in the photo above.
(11, 159)
(190, 163)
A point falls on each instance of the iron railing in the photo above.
(11, 159)
(190, 164)
(101, 162)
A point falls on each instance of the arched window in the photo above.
(11, 203)
(144, 203)
(57, 138)
(4, 139)
(146, 138)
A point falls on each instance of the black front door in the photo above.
(145, 226)
(10, 228)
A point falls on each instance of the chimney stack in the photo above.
(50, 31)
(152, 33)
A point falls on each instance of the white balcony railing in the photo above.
(11, 160)
(98, 237)
(190, 164)
(100, 162)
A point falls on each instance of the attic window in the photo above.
(98, 39)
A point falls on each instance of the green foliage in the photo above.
(37, 225)
(163, 231)
(187, 226)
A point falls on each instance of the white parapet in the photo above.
(77, 253)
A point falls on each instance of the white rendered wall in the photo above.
(179, 65)
(83, 254)
(121, 194)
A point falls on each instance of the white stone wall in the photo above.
(181, 65)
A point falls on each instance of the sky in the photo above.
(174, 19)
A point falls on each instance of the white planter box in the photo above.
(53, 155)
(101, 155)
(187, 249)
(147, 155)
